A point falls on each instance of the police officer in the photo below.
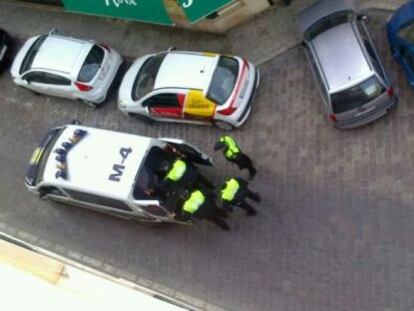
(234, 192)
(233, 154)
(201, 205)
(178, 173)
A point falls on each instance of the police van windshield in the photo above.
(150, 174)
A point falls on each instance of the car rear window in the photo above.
(357, 96)
(31, 53)
(92, 64)
(328, 22)
(224, 80)
(407, 33)
(145, 80)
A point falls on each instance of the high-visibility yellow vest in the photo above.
(231, 147)
(177, 171)
(194, 202)
(229, 192)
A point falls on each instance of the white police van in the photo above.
(106, 171)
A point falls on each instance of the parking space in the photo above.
(334, 230)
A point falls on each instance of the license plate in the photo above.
(365, 111)
(3, 52)
(104, 72)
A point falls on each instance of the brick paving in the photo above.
(335, 229)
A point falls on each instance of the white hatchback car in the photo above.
(179, 86)
(66, 67)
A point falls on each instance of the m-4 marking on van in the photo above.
(118, 169)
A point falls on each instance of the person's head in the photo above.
(165, 166)
(219, 145)
(185, 194)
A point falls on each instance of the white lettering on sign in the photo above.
(187, 4)
(118, 3)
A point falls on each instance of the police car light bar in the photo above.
(77, 135)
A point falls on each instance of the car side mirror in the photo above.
(362, 17)
(75, 122)
(53, 31)
(26, 80)
(172, 48)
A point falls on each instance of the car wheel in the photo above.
(142, 118)
(224, 125)
(91, 104)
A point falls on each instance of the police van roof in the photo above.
(90, 162)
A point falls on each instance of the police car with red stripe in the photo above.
(191, 87)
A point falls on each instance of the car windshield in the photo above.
(407, 33)
(51, 139)
(224, 80)
(328, 22)
(92, 64)
(357, 96)
(145, 80)
(31, 53)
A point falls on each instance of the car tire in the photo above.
(142, 118)
(91, 104)
(225, 126)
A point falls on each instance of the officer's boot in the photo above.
(254, 196)
(221, 223)
(249, 209)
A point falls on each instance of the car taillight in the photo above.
(333, 118)
(390, 92)
(106, 47)
(83, 87)
(227, 111)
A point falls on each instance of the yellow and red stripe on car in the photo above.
(198, 106)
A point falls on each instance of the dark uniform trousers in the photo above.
(244, 162)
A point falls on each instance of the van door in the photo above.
(192, 152)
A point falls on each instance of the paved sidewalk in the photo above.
(261, 39)
(274, 31)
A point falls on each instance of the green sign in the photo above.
(198, 9)
(152, 11)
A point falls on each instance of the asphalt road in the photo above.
(335, 228)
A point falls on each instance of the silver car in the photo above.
(352, 79)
